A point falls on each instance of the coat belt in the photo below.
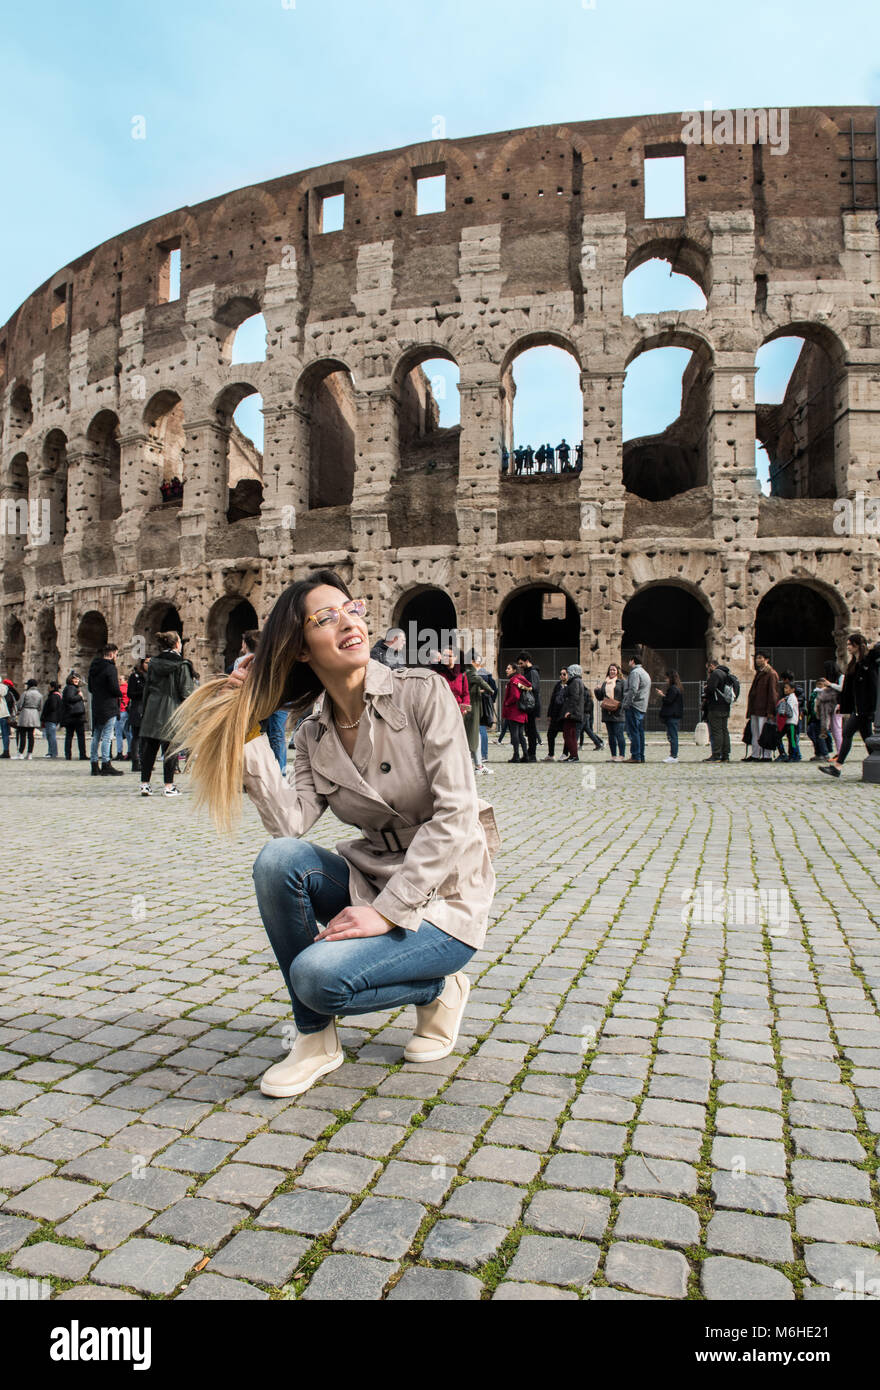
(394, 839)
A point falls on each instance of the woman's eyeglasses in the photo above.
(329, 617)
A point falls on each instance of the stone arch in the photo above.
(227, 619)
(522, 343)
(416, 397)
(165, 449)
(54, 467)
(90, 637)
(673, 629)
(801, 622)
(685, 255)
(427, 616)
(103, 441)
(675, 459)
(325, 394)
(16, 490)
(244, 461)
(46, 661)
(21, 412)
(13, 652)
(160, 614)
(803, 433)
(553, 641)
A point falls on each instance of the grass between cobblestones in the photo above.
(661, 851)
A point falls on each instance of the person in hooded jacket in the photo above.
(136, 682)
(50, 717)
(73, 716)
(572, 712)
(170, 680)
(104, 689)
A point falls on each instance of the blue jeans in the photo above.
(4, 733)
(121, 730)
(616, 741)
(102, 737)
(635, 732)
(273, 728)
(672, 735)
(300, 885)
(50, 730)
(484, 742)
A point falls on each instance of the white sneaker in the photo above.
(670, 760)
(171, 790)
(487, 770)
(29, 757)
(146, 789)
(313, 1056)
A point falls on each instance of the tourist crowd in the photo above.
(778, 709)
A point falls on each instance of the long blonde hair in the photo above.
(213, 722)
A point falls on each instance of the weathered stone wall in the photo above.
(540, 229)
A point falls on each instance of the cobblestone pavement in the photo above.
(667, 1084)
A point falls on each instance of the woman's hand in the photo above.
(238, 677)
(355, 921)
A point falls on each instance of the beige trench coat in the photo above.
(426, 838)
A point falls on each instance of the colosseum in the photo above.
(114, 383)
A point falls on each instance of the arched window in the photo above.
(166, 442)
(543, 412)
(664, 421)
(428, 412)
(240, 409)
(795, 417)
(249, 343)
(545, 622)
(667, 625)
(427, 618)
(326, 395)
(796, 626)
(654, 288)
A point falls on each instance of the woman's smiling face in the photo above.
(334, 648)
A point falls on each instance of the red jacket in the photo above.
(459, 687)
(510, 708)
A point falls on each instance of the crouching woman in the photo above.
(393, 917)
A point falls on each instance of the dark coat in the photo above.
(136, 682)
(763, 694)
(712, 697)
(557, 703)
(51, 709)
(73, 705)
(672, 704)
(859, 694)
(382, 652)
(614, 716)
(573, 706)
(104, 690)
(169, 681)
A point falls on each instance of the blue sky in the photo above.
(237, 91)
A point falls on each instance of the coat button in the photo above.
(384, 767)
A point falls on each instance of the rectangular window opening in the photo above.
(664, 185)
(169, 272)
(332, 211)
(430, 193)
(59, 307)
